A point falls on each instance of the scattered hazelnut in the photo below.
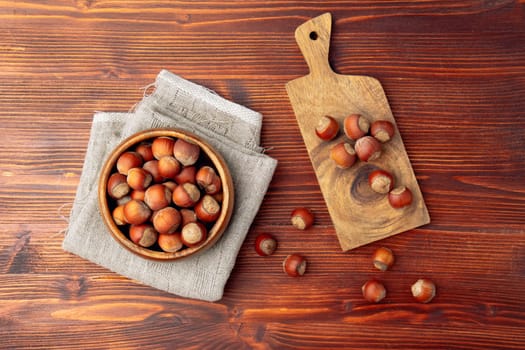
(355, 126)
(144, 149)
(383, 130)
(185, 152)
(207, 209)
(383, 258)
(265, 244)
(343, 155)
(302, 218)
(424, 290)
(170, 243)
(193, 234)
(166, 220)
(169, 167)
(152, 167)
(327, 128)
(118, 215)
(400, 197)
(157, 197)
(128, 160)
(143, 235)
(381, 181)
(208, 180)
(136, 212)
(162, 146)
(117, 186)
(373, 291)
(187, 174)
(367, 148)
(139, 179)
(186, 195)
(188, 216)
(294, 265)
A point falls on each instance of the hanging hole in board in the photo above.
(313, 35)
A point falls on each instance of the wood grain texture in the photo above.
(454, 76)
(359, 215)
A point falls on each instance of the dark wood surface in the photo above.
(454, 74)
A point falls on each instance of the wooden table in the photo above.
(454, 73)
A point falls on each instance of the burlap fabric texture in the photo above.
(233, 130)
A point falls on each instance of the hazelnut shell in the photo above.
(294, 265)
(302, 218)
(355, 126)
(400, 197)
(367, 148)
(373, 291)
(383, 130)
(265, 244)
(327, 128)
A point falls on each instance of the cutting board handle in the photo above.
(313, 38)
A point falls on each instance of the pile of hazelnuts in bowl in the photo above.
(165, 194)
(365, 140)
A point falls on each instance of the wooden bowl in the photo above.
(210, 155)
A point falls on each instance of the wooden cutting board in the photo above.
(360, 216)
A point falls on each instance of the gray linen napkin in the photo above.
(233, 130)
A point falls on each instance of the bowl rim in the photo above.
(220, 165)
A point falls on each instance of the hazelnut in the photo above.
(143, 235)
(302, 218)
(383, 258)
(355, 126)
(188, 216)
(373, 291)
(139, 179)
(127, 161)
(219, 196)
(208, 180)
(157, 197)
(207, 209)
(162, 146)
(187, 174)
(265, 244)
(169, 167)
(170, 184)
(144, 149)
(193, 234)
(118, 215)
(400, 197)
(170, 243)
(152, 167)
(381, 181)
(383, 130)
(367, 148)
(343, 155)
(166, 220)
(117, 186)
(186, 195)
(185, 152)
(327, 128)
(124, 200)
(424, 290)
(136, 212)
(294, 265)
(138, 194)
